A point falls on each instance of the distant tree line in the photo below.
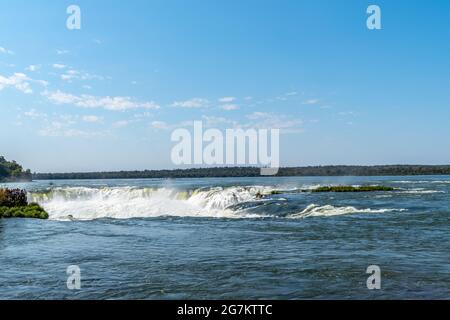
(385, 170)
(11, 171)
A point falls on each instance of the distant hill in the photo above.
(385, 170)
(11, 171)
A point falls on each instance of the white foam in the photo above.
(81, 203)
(420, 191)
(423, 181)
(315, 210)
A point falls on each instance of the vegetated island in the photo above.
(223, 172)
(14, 204)
(352, 189)
(11, 171)
(324, 189)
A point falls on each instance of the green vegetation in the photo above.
(394, 170)
(352, 189)
(11, 171)
(13, 204)
(13, 198)
(32, 210)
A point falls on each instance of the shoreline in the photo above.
(253, 172)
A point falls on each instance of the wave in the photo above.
(90, 203)
(420, 191)
(315, 210)
(83, 203)
(423, 181)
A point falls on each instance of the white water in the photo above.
(83, 203)
(314, 210)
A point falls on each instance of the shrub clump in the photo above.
(353, 189)
(14, 204)
(32, 210)
(13, 198)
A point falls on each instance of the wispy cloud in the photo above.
(79, 75)
(92, 119)
(33, 114)
(89, 101)
(57, 129)
(60, 52)
(227, 99)
(311, 101)
(6, 51)
(64, 126)
(160, 125)
(264, 120)
(59, 66)
(20, 81)
(121, 123)
(230, 107)
(33, 67)
(192, 103)
(213, 121)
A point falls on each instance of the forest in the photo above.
(218, 172)
(11, 171)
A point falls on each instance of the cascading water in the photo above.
(88, 203)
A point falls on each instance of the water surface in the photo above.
(237, 238)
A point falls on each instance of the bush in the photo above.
(32, 210)
(353, 189)
(14, 204)
(13, 198)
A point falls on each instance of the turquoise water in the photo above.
(239, 238)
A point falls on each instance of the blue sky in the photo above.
(107, 97)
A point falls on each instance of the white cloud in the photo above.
(311, 101)
(230, 107)
(259, 120)
(92, 119)
(33, 114)
(60, 52)
(213, 121)
(227, 99)
(74, 74)
(192, 103)
(121, 123)
(160, 125)
(142, 115)
(89, 101)
(258, 115)
(286, 96)
(33, 67)
(55, 129)
(263, 120)
(62, 126)
(6, 51)
(347, 113)
(19, 81)
(59, 66)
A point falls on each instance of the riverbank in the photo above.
(241, 172)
